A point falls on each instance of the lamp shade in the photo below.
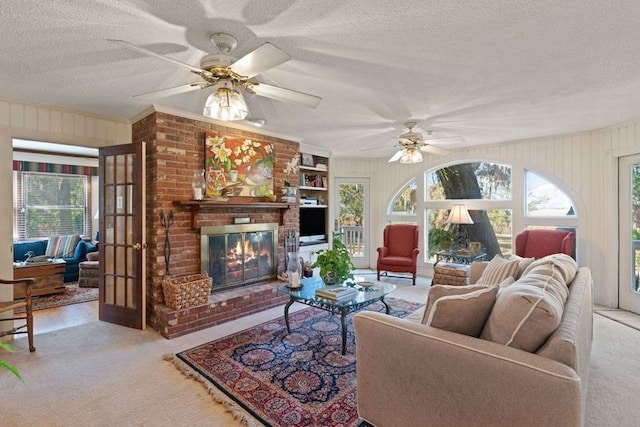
(225, 103)
(459, 215)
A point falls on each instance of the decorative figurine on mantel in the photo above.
(199, 184)
(289, 192)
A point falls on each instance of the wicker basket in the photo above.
(186, 291)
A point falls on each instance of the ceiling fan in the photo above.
(411, 144)
(227, 75)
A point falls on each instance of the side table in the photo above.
(452, 268)
(456, 258)
(450, 274)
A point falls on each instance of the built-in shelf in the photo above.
(311, 168)
(195, 206)
(303, 187)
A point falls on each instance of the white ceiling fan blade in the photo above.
(374, 149)
(157, 55)
(434, 150)
(450, 139)
(286, 95)
(261, 59)
(396, 156)
(172, 90)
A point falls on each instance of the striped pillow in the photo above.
(62, 246)
(497, 270)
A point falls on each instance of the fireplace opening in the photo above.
(238, 255)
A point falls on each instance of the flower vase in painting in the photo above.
(216, 181)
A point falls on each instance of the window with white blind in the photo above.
(50, 203)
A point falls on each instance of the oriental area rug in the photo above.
(282, 379)
(71, 295)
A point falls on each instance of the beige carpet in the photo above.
(99, 374)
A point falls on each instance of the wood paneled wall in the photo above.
(55, 124)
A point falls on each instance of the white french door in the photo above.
(351, 213)
(629, 233)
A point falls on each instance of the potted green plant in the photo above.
(4, 364)
(335, 264)
(439, 239)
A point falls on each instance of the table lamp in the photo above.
(459, 215)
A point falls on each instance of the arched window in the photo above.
(545, 198)
(403, 208)
(485, 189)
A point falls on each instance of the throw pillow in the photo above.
(524, 315)
(497, 270)
(463, 314)
(81, 250)
(523, 263)
(506, 282)
(439, 291)
(62, 246)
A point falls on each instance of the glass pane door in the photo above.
(629, 233)
(122, 274)
(351, 213)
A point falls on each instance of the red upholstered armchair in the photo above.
(540, 243)
(400, 251)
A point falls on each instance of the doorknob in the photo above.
(137, 246)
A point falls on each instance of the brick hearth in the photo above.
(222, 307)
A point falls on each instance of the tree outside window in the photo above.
(47, 204)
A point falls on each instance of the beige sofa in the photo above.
(411, 374)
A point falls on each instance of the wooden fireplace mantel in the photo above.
(195, 206)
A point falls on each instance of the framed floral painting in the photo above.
(236, 166)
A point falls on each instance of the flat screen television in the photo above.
(313, 226)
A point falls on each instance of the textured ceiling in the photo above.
(488, 71)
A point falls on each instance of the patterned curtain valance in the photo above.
(54, 168)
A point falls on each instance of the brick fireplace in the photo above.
(175, 150)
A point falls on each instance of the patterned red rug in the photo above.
(297, 379)
(71, 295)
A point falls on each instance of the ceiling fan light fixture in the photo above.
(411, 155)
(225, 103)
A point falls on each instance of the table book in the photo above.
(337, 293)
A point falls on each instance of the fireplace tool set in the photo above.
(166, 222)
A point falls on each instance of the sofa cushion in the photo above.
(463, 313)
(497, 270)
(527, 313)
(62, 246)
(565, 265)
(20, 249)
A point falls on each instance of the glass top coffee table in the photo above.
(307, 295)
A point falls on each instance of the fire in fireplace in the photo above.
(237, 255)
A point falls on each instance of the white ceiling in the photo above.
(488, 71)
